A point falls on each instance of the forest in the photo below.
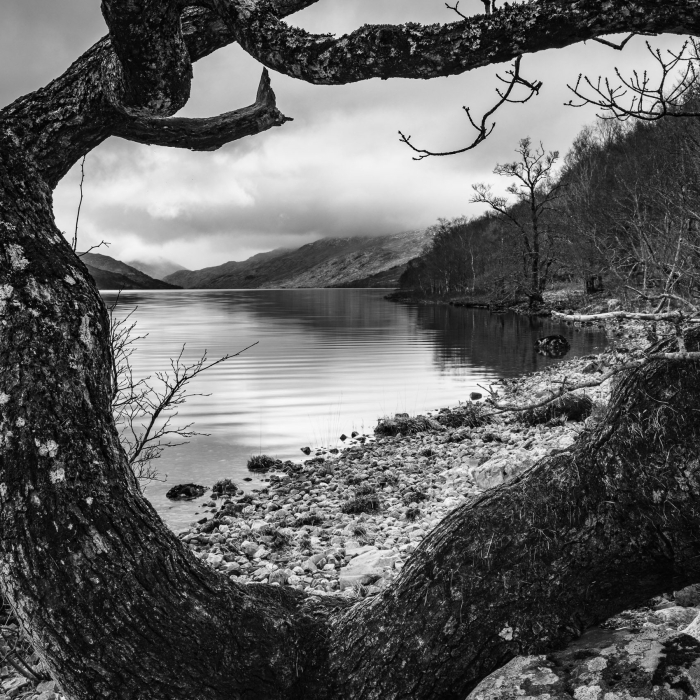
(618, 212)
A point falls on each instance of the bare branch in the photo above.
(74, 242)
(455, 8)
(484, 128)
(205, 134)
(680, 356)
(637, 97)
(94, 247)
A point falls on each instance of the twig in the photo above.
(93, 247)
(636, 97)
(612, 45)
(484, 129)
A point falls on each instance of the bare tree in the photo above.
(536, 190)
(114, 603)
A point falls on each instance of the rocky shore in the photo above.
(344, 522)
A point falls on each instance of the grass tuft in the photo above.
(261, 463)
(225, 487)
(368, 503)
(412, 514)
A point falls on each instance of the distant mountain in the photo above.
(109, 273)
(329, 262)
(159, 268)
(199, 279)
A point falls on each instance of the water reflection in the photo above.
(326, 362)
(475, 338)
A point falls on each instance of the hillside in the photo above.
(158, 269)
(109, 273)
(329, 262)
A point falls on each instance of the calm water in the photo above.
(328, 361)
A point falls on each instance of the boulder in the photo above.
(553, 346)
(646, 658)
(280, 576)
(353, 548)
(689, 596)
(185, 492)
(367, 564)
(502, 467)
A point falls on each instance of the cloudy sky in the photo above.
(337, 170)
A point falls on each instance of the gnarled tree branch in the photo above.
(154, 71)
(205, 134)
(416, 51)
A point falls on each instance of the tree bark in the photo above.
(119, 608)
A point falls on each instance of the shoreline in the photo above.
(301, 531)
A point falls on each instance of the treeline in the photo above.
(621, 213)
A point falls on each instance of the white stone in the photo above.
(355, 549)
(375, 562)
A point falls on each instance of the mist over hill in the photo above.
(158, 268)
(110, 273)
(329, 262)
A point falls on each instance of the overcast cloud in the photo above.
(337, 170)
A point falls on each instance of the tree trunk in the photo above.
(119, 608)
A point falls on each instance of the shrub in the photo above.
(568, 407)
(362, 504)
(358, 531)
(414, 497)
(261, 463)
(278, 539)
(365, 490)
(412, 514)
(309, 519)
(404, 425)
(468, 415)
(388, 479)
(225, 486)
